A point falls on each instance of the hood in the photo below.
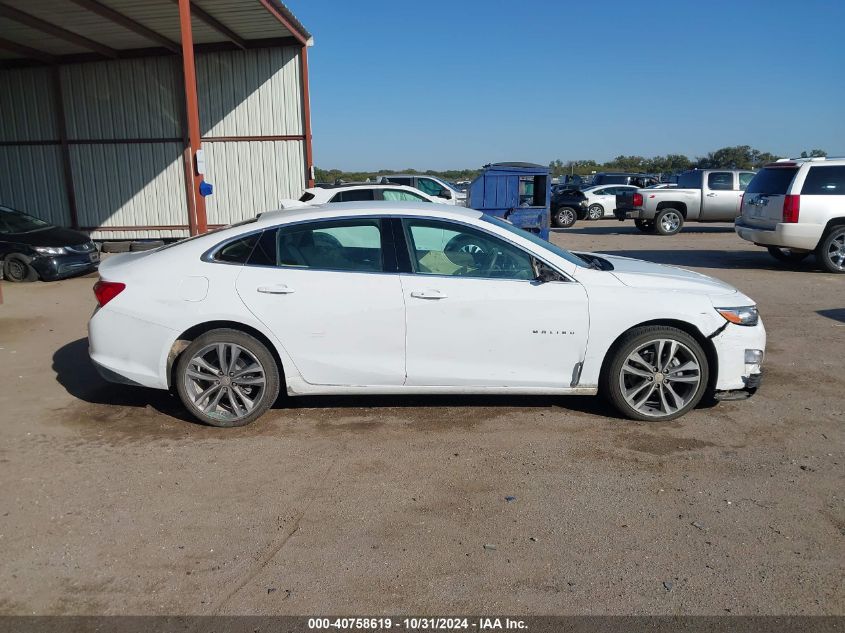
(50, 236)
(637, 273)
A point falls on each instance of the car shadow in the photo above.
(75, 372)
(606, 228)
(837, 314)
(759, 260)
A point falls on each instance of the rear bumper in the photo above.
(798, 235)
(629, 214)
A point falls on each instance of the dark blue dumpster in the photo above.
(517, 192)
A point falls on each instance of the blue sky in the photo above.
(440, 85)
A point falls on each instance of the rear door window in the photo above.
(745, 178)
(354, 195)
(825, 181)
(720, 181)
(772, 181)
(399, 194)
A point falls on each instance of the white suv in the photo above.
(795, 207)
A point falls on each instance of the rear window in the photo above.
(306, 197)
(773, 181)
(690, 180)
(825, 181)
(354, 195)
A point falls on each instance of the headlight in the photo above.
(50, 250)
(747, 315)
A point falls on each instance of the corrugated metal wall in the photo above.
(124, 122)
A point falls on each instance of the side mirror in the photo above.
(445, 193)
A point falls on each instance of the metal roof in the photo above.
(49, 31)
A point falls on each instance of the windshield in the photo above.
(557, 250)
(12, 221)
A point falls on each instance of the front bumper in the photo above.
(734, 374)
(62, 266)
(786, 235)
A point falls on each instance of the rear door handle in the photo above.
(428, 294)
(278, 289)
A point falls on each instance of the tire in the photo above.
(564, 217)
(595, 212)
(115, 247)
(830, 253)
(646, 226)
(16, 269)
(668, 222)
(624, 380)
(145, 246)
(232, 406)
(786, 255)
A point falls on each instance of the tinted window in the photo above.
(16, 222)
(354, 195)
(399, 194)
(744, 178)
(690, 180)
(237, 252)
(772, 180)
(351, 245)
(400, 181)
(444, 248)
(825, 181)
(720, 180)
(306, 197)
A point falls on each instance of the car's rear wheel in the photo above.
(656, 373)
(786, 255)
(564, 217)
(830, 252)
(17, 269)
(668, 221)
(227, 378)
(595, 212)
(646, 226)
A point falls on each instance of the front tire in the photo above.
(564, 217)
(657, 373)
(595, 212)
(227, 378)
(18, 270)
(668, 222)
(786, 255)
(830, 253)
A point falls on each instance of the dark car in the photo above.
(568, 205)
(31, 248)
(625, 178)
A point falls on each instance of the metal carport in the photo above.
(105, 103)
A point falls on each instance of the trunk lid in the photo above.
(762, 204)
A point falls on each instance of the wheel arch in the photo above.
(184, 339)
(678, 206)
(833, 223)
(684, 326)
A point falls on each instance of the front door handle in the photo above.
(711, 195)
(428, 294)
(278, 289)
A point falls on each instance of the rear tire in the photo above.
(656, 373)
(668, 222)
(646, 226)
(16, 269)
(595, 212)
(564, 217)
(830, 253)
(227, 378)
(786, 255)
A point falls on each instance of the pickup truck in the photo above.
(702, 195)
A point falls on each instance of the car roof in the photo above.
(378, 207)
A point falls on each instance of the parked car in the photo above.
(32, 249)
(796, 207)
(290, 301)
(623, 178)
(601, 199)
(363, 192)
(702, 195)
(567, 206)
(431, 186)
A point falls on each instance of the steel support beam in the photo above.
(217, 25)
(26, 51)
(128, 23)
(56, 31)
(306, 117)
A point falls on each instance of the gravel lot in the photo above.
(113, 502)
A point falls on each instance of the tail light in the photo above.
(791, 208)
(638, 199)
(741, 202)
(105, 291)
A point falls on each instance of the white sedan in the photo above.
(414, 298)
(601, 199)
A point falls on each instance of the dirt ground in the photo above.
(113, 502)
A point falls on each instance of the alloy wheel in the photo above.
(660, 377)
(565, 217)
(596, 212)
(836, 252)
(670, 222)
(224, 381)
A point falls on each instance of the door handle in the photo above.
(711, 195)
(278, 289)
(428, 294)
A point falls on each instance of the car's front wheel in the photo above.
(656, 373)
(227, 378)
(595, 212)
(564, 217)
(17, 268)
(830, 252)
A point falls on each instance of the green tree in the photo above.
(814, 153)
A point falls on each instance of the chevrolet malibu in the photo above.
(404, 298)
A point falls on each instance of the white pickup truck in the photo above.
(702, 195)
